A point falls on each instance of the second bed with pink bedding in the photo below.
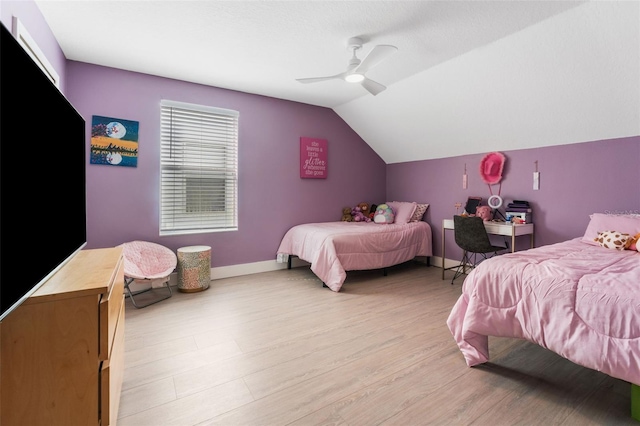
(333, 248)
(580, 300)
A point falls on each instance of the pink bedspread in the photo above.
(578, 300)
(332, 248)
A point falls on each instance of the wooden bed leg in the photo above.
(289, 262)
(384, 271)
(635, 401)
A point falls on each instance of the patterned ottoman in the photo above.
(194, 268)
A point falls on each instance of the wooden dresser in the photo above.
(62, 350)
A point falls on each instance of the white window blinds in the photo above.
(199, 169)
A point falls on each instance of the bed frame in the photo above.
(333, 248)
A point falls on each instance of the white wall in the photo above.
(574, 77)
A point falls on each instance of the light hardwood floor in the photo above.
(277, 348)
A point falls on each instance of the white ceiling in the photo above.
(261, 47)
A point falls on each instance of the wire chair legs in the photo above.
(131, 294)
(468, 262)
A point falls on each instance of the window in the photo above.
(198, 169)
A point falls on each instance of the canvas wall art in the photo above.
(114, 141)
(313, 158)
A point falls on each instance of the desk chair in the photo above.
(471, 236)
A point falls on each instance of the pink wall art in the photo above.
(313, 158)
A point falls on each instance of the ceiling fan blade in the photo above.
(372, 87)
(377, 55)
(317, 79)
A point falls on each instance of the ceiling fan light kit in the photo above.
(357, 69)
(354, 78)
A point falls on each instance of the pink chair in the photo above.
(145, 261)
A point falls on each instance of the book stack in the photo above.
(521, 209)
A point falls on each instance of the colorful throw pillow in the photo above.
(402, 210)
(627, 224)
(612, 240)
(421, 209)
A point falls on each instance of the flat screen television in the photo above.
(42, 177)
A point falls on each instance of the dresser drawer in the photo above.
(62, 349)
(111, 308)
(111, 377)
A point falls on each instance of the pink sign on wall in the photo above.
(313, 158)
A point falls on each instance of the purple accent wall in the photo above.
(30, 16)
(575, 181)
(123, 203)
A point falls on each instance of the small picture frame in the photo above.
(472, 204)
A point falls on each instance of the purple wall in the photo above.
(31, 18)
(123, 203)
(575, 181)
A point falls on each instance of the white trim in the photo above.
(271, 265)
(246, 269)
(240, 270)
(31, 47)
(198, 107)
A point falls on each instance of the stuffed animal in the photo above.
(364, 208)
(633, 243)
(384, 214)
(358, 216)
(484, 212)
(372, 211)
(346, 215)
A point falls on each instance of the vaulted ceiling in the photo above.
(458, 63)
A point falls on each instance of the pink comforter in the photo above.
(578, 300)
(332, 248)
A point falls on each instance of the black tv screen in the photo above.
(42, 176)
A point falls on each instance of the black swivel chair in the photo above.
(471, 236)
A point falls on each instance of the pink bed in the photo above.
(580, 300)
(333, 248)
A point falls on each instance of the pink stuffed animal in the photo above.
(484, 212)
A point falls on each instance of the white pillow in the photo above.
(403, 210)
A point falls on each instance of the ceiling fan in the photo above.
(357, 68)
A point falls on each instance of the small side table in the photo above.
(194, 268)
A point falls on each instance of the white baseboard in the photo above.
(272, 265)
(252, 268)
(237, 270)
(448, 263)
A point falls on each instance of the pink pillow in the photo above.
(600, 222)
(403, 211)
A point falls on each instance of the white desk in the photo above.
(493, 228)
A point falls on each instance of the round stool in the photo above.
(194, 268)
